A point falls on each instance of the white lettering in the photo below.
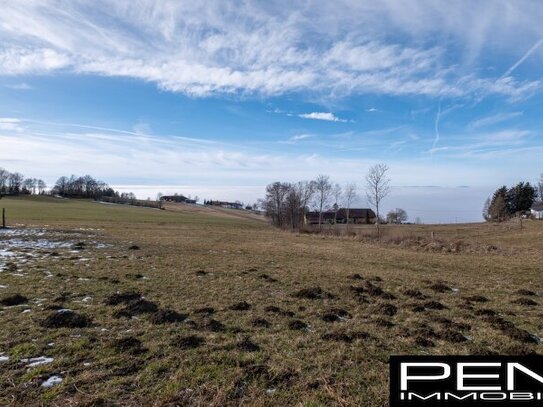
(405, 378)
(460, 376)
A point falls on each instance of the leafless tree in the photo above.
(397, 216)
(323, 193)
(349, 196)
(4, 176)
(540, 188)
(337, 195)
(274, 204)
(15, 182)
(378, 187)
(41, 186)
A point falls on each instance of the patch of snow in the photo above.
(63, 310)
(52, 381)
(42, 360)
(26, 310)
(3, 358)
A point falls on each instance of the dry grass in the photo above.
(220, 310)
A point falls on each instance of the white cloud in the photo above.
(205, 48)
(10, 124)
(330, 117)
(494, 119)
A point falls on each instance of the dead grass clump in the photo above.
(260, 323)
(188, 341)
(526, 292)
(122, 298)
(129, 345)
(313, 293)
(167, 316)
(66, 319)
(13, 300)
(248, 345)
(138, 307)
(276, 310)
(240, 306)
(524, 301)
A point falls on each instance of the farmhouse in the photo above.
(224, 204)
(537, 210)
(356, 215)
(177, 198)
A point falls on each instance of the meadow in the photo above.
(104, 305)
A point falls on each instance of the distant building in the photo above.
(356, 216)
(537, 210)
(224, 204)
(177, 199)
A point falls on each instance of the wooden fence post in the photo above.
(3, 218)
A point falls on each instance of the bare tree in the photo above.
(397, 216)
(41, 186)
(349, 195)
(337, 195)
(4, 176)
(378, 187)
(540, 188)
(323, 192)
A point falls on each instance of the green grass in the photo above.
(189, 260)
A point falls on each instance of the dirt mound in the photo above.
(260, 323)
(138, 307)
(347, 337)
(66, 319)
(122, 298)
(357, 276)
(134, 247)
(276, 310)
(165, 316)
(205, 310)
(440, 288)
(188, 341)
(414, 294)
(214, 326)
(382, 322)
(435, 305)
(525, 301)
(129, 345)
(476, 298)
(423, 342)
(12, 300)
(297, 325)
(267, 278)
(313, 293)
(248, 345)
(240, 306)
(453, 336)
(526, 292)
(386, 309)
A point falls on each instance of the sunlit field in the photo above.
(119, 305)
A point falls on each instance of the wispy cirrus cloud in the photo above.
(216, 47)
(494, 119)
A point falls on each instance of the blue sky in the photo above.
(220, 98)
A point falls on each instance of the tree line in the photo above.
(82, 187)
(286, 204)
(15, 183)
(506, 203)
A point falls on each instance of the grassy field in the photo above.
(186, 306)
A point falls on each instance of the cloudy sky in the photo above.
(219, 98)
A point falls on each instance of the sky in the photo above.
(220, 98)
